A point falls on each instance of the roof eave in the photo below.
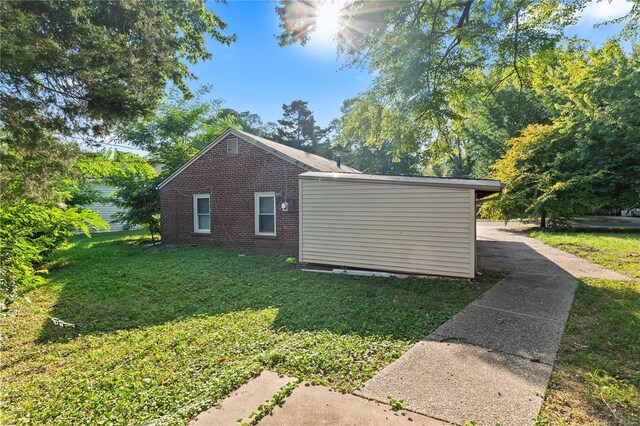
(489, 188)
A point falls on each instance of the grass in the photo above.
(596, 379)
(159, 333)
(619, 251)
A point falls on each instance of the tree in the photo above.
(484, 119)
(248, 121)
(70, 72)
(178, 130)
(588, 157)
(375, 139)
(136, 181)
(297, 127)
(424, 54)
(73, 70)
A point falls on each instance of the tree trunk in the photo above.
(543, 220)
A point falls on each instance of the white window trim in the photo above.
(257, 212)
(195, 213)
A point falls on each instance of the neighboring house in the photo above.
(106, 209)
(249, 192)
(240, 191)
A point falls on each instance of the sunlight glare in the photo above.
(327, 24)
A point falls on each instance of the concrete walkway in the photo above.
(237, 408)
(306, 406)
(492, 361)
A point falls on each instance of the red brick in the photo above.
(232, 181)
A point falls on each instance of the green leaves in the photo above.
(297, 128)
(30, 234)
(178, 130)
(588, 157)
(136, 181)
(71, 71)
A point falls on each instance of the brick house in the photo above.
(240, 191)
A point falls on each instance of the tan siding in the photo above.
(396, 227)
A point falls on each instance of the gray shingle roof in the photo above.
(316, 162)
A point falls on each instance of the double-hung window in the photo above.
(201, 213)
(265, 205)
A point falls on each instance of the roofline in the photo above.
(244, 137)
(492, 186)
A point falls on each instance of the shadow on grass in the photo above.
(596, 379)
(111, 284)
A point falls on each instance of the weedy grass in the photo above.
(124, 333)
(596, 379)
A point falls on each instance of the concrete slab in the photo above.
(501, 247)
(244, 401)
(498, 330)
(460, 382)
(513, 255)
(317, 405)
(541, 296)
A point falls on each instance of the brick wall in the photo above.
(231, 181)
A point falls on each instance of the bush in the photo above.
(30, 233)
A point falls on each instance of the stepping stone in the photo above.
(317, 405)
(244, 401)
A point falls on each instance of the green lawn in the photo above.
(596, 379)
(619, 251)
(159, 333)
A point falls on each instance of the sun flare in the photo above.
(328, 16)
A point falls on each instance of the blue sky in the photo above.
(256, 74)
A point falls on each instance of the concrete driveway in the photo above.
(491, 362)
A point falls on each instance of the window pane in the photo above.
(204, 222)
(266, 204)
(203, 205)
(266, 224)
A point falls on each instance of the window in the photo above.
(201, 213)
(265, 213)
(232, 146)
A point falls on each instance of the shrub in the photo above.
(30, 233)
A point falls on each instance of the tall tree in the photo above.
(483, 119)
(297, 127)
(178, 129)
(71, 71)
(75, 69)
(247, 120)
(423, 53)
(588, 157)
(375, 139)
(135, 180)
